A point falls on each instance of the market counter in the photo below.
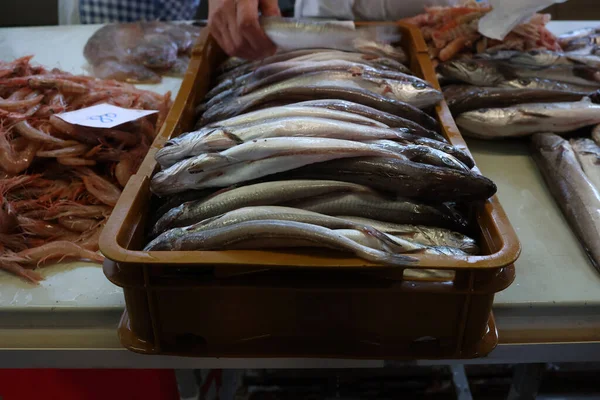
(550, 313)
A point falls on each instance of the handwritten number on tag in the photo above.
(104, 118)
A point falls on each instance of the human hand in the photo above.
(234, 24)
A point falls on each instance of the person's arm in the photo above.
(235, 26)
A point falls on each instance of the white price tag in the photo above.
(103, 116)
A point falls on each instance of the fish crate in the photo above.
(301, 303)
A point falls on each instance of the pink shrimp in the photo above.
(20, 94)
(40, 228)
(100, 188)
(47, 82)
(15, 162)
(72, 209)
(25, 129)
(78, 224)
(89, 240)
(18, 104)
(75, 161)
(59, 250)
(71, 151)
(16, 269)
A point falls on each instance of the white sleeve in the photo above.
(340, 9)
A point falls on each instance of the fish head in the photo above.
(475, 72)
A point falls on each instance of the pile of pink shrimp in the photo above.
(59, 182)
(451, 32)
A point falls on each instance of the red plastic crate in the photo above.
(88, 384)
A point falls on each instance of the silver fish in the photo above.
(572, 190)
(567, 37)
(382, 94)
(545, 84)
(475, 72)
(540, 58)
(270, 78)
(266, 193)
(422, 154)
(163, 241)
(310, 63)
(217, 139)
(292, 34)
(392, 244)
(391, 84)
(281, 234)
(307, 55)
(492, 73)
(588, 154)
(255, 159)
(525, 119)
(375, 206)
(424, 235)
(386, 118)
(296, 110)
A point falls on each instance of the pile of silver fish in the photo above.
(318, 148)
(513, 94)
(571, 171)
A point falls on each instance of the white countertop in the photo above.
(81, 308)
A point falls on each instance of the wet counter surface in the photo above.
(555, 297)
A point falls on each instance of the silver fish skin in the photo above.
(255, 213)
(474, 72)
(328, 55)
(260, 194)
(310, 63)
(492, 73)
(391, 84)
(545, 84)
(333, 65)
(525, 119)
(423, 154)
(386, 118)
(292, 34)
(232, 68)
(381, 93)
(567, 37)
(295, 110)
(540, 58)
(210, 140)
(391, 245)
(374, 206)
(572, 190)
(588, 155)
(425, 235)
(252, 160)
(280, 234)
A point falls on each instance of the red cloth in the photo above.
(88, 384)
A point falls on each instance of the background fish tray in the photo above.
(300, 304)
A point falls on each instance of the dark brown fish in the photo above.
(400, 176)
(463, 98)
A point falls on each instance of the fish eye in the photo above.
(524, 82)
(419, 85)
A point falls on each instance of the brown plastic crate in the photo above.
(299, 304)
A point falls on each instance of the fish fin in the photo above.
(534, 114)
(208, 162)
(233, 137)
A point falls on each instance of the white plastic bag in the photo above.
(506, 14)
